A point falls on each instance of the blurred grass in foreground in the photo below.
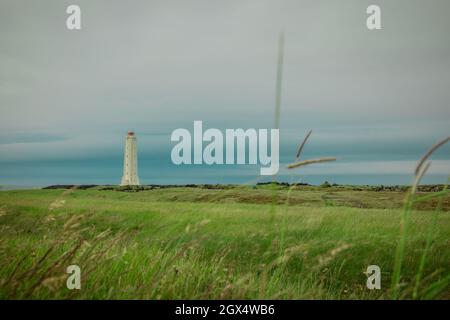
(188, 243)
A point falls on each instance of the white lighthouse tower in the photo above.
(130, 170)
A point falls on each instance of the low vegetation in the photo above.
(267, 241)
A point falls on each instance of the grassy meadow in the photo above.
(263, 242)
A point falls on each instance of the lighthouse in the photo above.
(130, 170)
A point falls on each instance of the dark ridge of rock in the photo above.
(298, 186)
(60, 186)
(326, 184)
(70, 186)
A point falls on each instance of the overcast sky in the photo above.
(154, 66)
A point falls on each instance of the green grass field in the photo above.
(242, 243)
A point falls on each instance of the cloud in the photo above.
(154, 66)
(12, 138)
(155, 63)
